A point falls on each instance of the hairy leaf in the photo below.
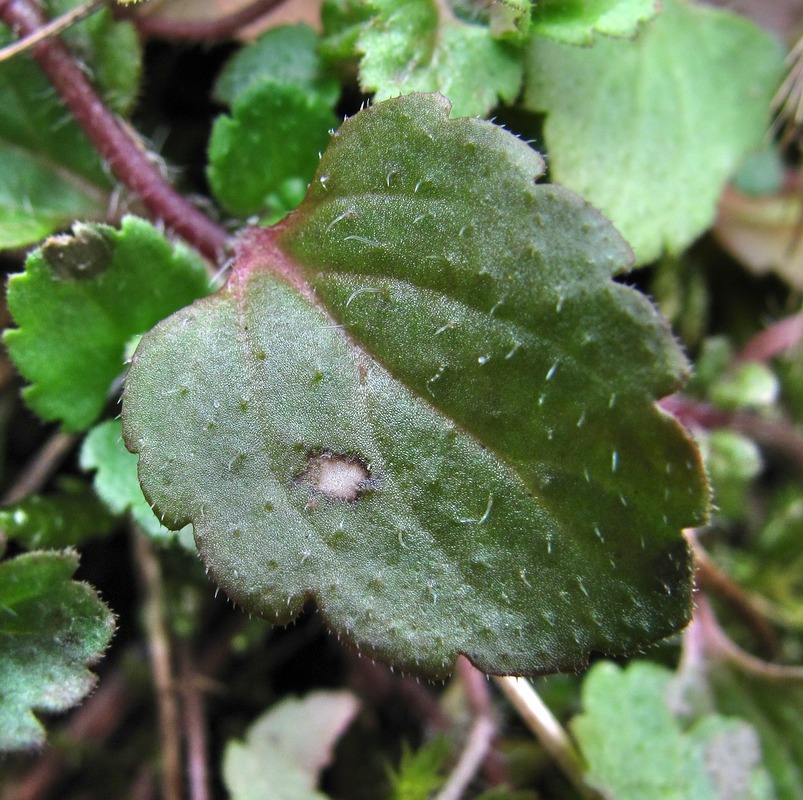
(459, 451)
(79, 301)
(65, 518)
(263, 156)
(116, 481)
(577, 21)
(286, 54)
(650, 755)
(287, 747)
(649, 130)
(419, 46)
(51, 628)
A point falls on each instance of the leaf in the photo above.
(577, 21)
(460, 452)
(287, 747)
(109, 49)
(51, 628)
(263, 156)
(420, 772)
(116, 477)
(650, 130)
(79, 301)
(286, 54)
(49, 173)
(65, 518)
(651, 756)
(419, 46)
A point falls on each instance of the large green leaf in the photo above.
(649, 130)
(422, 401)
(79, 301)
(51, 627)
(418, 46)
(650, 755)
(576, 21)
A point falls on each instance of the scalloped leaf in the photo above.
(286, 748)
(577, 21)
(651, 755)
(51, 628)
(286, 54)
(649, 131)
(65, 518)
(419, 46)
(78, 303)
(262, 157)
(104, 452)
(422, 401)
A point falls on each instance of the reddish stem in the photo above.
(778, 434)
(127, 159)
(774, 340)
(207, 30)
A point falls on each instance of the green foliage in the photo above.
(115, 482)
(65, 518)
(263, 156)
(284, 55)
(577, 21)
(420, 772)
(650, 755)
(732, 461)
(51, 628)
(613, 127)
(420, 46)
(287, 747)
(422, 501)
(80, 299)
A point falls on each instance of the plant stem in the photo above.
(194, 713)
(773, 340)
(201, 29)
(709, 576)
(53, 28)
(477, 746)
(40, 468)
(150, 575)
(126, 157)
(552, 735)
(778, 434)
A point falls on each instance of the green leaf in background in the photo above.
(420, 46)
(650, 130)
(116, 481)
(65, 518)
(49, 173)
(51, 628)
(733, 461)
(286, 749)
(110, 50)
(79, 301)
(262, 157)
(577, 21)
(420, 772)
(461, 452)
(286, 54)
(636, 748)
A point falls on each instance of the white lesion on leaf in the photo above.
(336, 476)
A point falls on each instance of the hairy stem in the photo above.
(126, 157)
(204, 30)
(150, 575)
